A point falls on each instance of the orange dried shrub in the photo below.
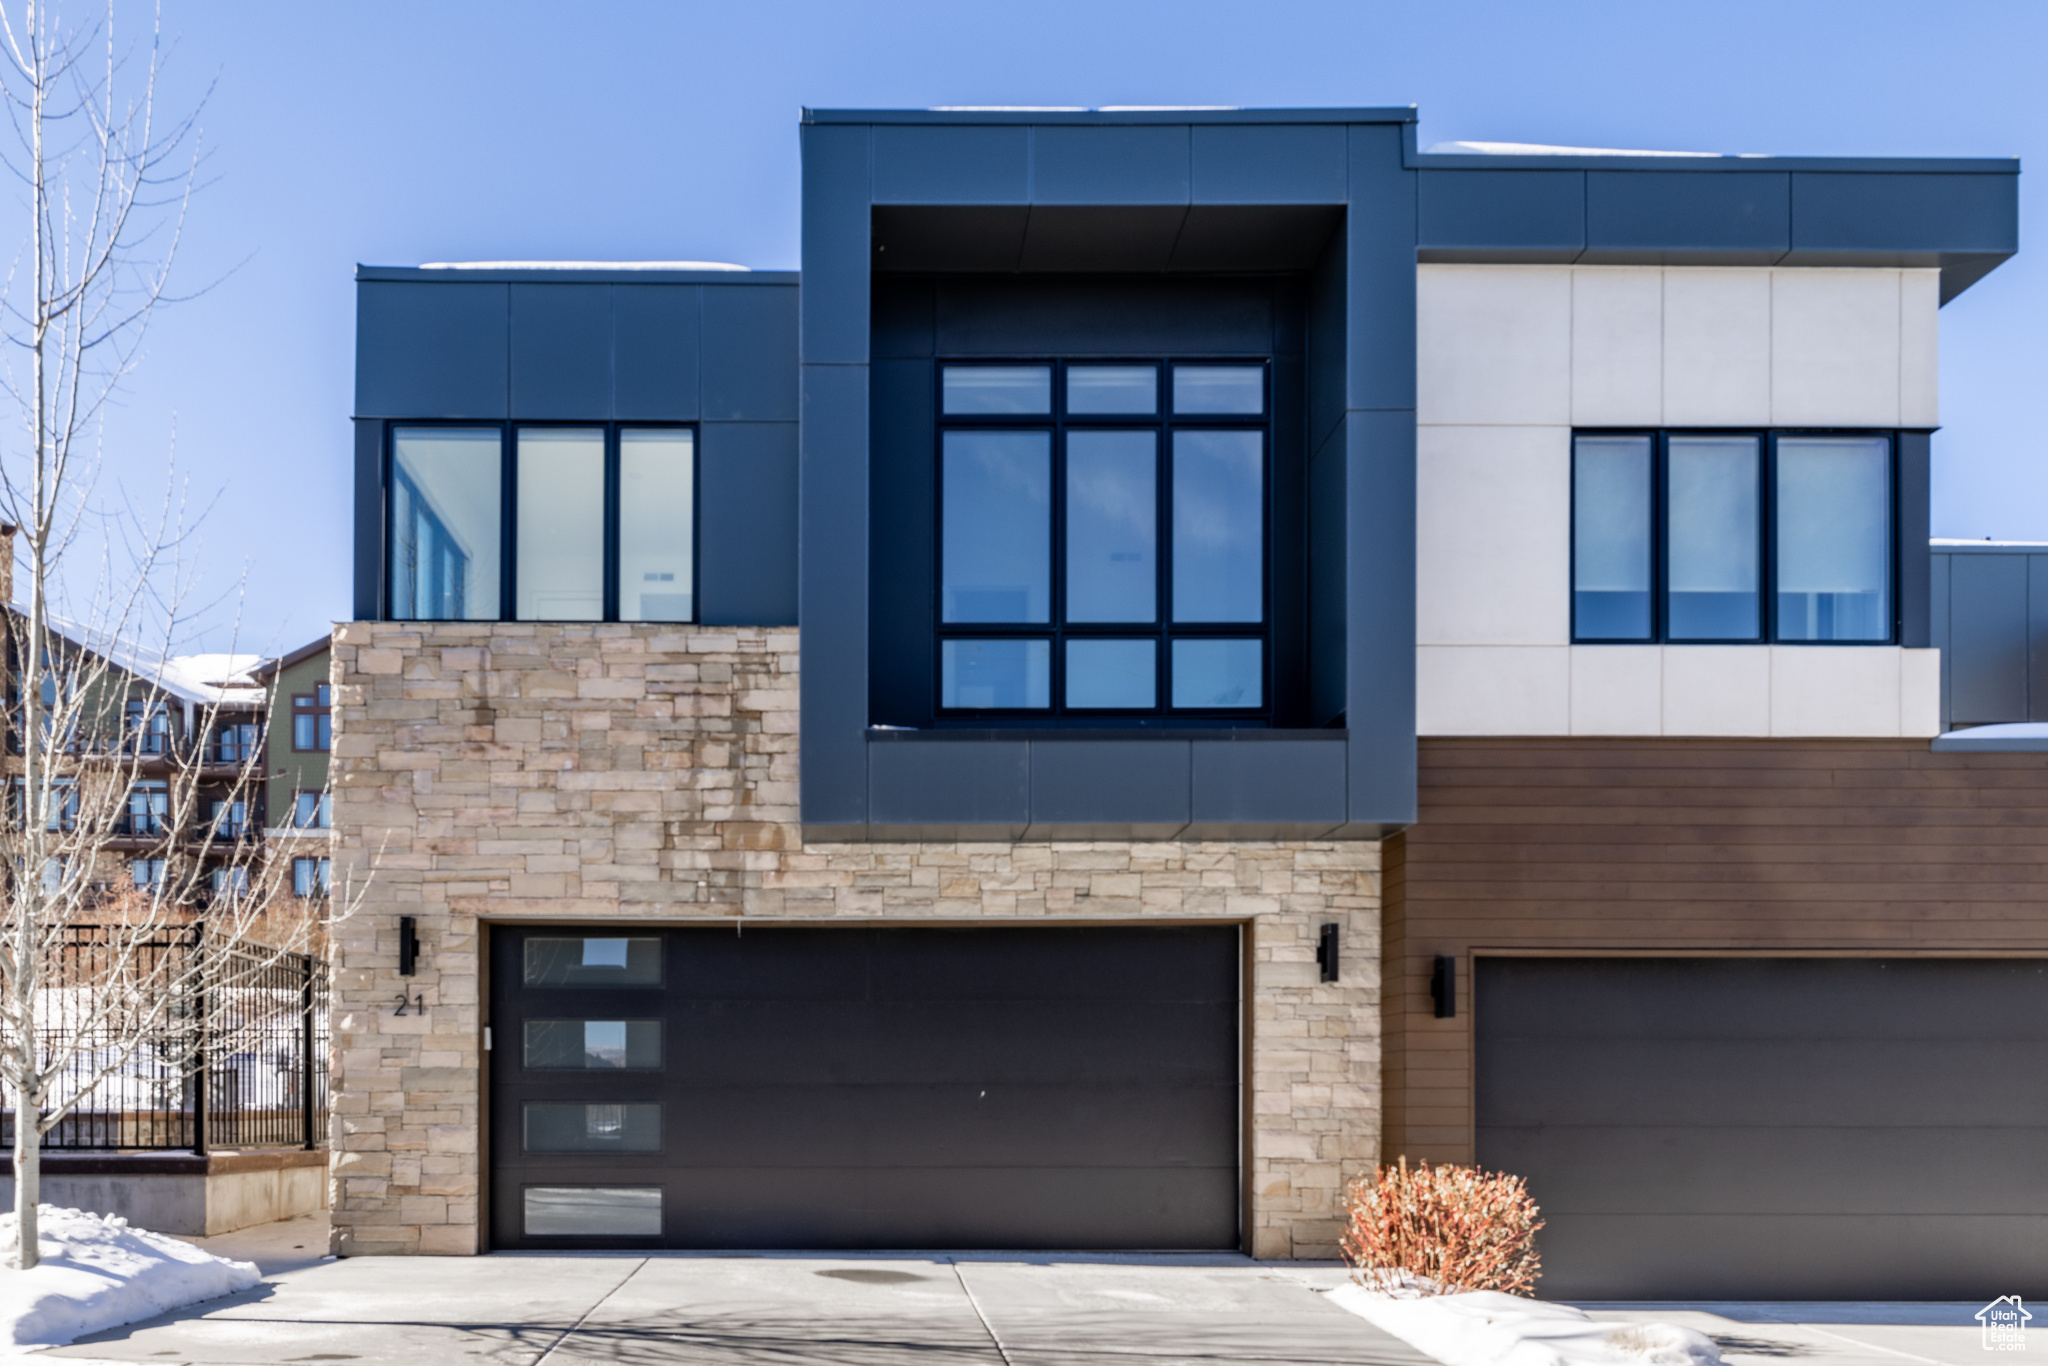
(1460, 1227)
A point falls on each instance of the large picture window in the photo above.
(1103, 534)
(1732, 538)
(542, 523)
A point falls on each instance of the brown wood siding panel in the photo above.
(1394, 1007)
(1691, 846)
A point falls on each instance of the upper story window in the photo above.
(313, 719)
(533, 523)
(1733, 538)
(148, 725)
(238, 743)
(1103, 537)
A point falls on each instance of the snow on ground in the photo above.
(97, 1272)
(1484, 1328)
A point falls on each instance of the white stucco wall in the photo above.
(1511, 358)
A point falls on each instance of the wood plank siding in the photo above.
(1584, 846)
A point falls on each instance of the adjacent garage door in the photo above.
(825, 1088)
(1778, 1129)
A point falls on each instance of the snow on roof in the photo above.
(202, 679)
(582, 265)
(1542, 149)
(212, 678)
(1964, 540)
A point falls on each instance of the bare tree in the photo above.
(127, 824)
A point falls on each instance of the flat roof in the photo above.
(576, 273)
(1114, 113)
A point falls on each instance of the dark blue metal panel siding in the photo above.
(1108, 782)
(1648, 216)
(833, 481)
(561, 351)
(750, 344)
(655, 346)
(747, 526)
(836, 214)
(959, 786)
(2037, 638)
(1938, 591)
(1379, 482)
(432, 350)
(942, 165)
(1905, 214)
(369, 512)
(1535, 215)
(1112, 166)
(1268, 165)
(1988, 637)
(1915, 515)
(1240, 783)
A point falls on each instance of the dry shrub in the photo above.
(1462, 1228)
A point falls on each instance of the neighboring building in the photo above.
(1248, 569)
(297, 741)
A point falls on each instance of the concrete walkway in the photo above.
(624, 1310)
(1796, 1333)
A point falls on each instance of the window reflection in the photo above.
(560, 573)
(1219, 543)
(997, 526)
(591, 1211)
(1112, 673)
(1118, 389)
(445, 503)
(1611, 537)
(1218, 673)
(657, 483)
(1219, 389)
(1713, 514)
(996, 674)
(1112, 526)
(980, 390)
(1834, 538)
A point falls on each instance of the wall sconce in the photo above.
(408, 946)
(1326, 953)
(1443, 986)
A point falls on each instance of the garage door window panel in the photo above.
(606, 1045)
(595, 961)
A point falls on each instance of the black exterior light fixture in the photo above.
(1443, 986)
(1326, 953)
(408, 946)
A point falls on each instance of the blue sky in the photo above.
(394, 134)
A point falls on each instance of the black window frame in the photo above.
(508, 513)
(1163, 629)
(1767, 533)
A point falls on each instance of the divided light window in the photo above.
(542, 523)
(1103, 537)
(1733, 538)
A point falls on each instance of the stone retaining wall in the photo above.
(611, 772)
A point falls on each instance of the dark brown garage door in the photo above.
(1777, 1129)
(834, 1088)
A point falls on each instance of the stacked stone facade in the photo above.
(498, 772)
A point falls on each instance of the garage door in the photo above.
(834, 1088)
(1779, 1129)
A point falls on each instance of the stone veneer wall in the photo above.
(615, 772)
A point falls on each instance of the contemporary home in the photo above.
(1191, 652)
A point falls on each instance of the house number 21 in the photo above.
(412, 1005)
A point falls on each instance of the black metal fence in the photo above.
(234, 1049)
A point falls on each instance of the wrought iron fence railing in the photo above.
(234, 1052)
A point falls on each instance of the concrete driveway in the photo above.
(966, 1309)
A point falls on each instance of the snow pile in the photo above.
(99, 1273)
(1484, 1328)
